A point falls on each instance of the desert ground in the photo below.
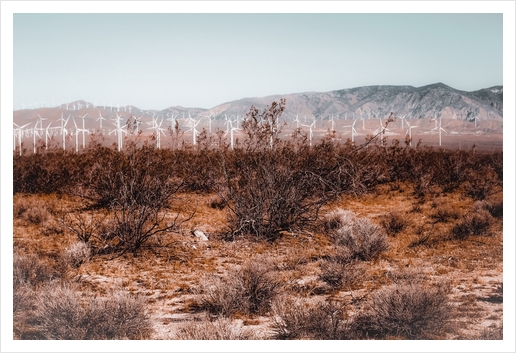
(378, 242)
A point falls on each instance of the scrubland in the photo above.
(330, 241)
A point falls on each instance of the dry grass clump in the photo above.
(394, 222)
(338, 218)
(494, 205)
(220, 329)
(61, 314)
(444, 212)
(31, 270)
(341, 275)
(247, 290)
(293, 319)
(410, 311)
(217, 202)
(474, 223)
(30, 213)
(77, 254)
(362, 239)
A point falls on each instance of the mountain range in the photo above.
(367, 102)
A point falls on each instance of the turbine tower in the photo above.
(439, 129)
(409, 132)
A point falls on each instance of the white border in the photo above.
(7, 10)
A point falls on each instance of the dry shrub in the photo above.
(217, 201)
(474, 223)
(220, 329)
(393, 223)
(248, 290)
(411, 311)
(61, 314)
(33, 213)
(341, 275)
(338, 218)
(494, 205)
(361, 238)
(31, 270)
(293, 319)
(77, 254)
(444, 212)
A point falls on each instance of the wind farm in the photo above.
(259, 177)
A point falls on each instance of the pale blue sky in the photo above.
(154, 61)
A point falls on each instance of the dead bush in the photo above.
(61, 314)
(474, 223)
(338, 218)
(217, 201)
(410, 311)
(293, 319)
(36, 214)
(444, 213)
(363, 239)
(31, 270)
(247, 290)
(341, 275)
(494, 205)
(76, 254)
(393, 223)
(220, 329)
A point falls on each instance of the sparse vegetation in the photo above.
(307, 240)
(411, 311)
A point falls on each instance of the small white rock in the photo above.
(199, 235)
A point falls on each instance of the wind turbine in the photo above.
(158, 131)
(353, 131)
(311, 132)
(34, 133)
(119, 130)
(19, 132)
(381, 130)
(439, 129)
(192, 125)
(100, 119)
(83, 131)
(402, 118)
(296, 120)
(332, 123)
(76, 136)
(46, 135)
(64, 132)
(232, 130)
(409, 132)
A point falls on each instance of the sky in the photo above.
(158, 60)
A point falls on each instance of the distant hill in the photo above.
(368, 102)
(436, 100)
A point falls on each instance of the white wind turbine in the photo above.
(381, 130)
(232, 130)
(332, 123)
(47, 134)
(409, 132)
(402, 118)
(192, 124)
(83, 131)
(119, 130)
(100, 119)
(64, 132)
(353, 131)
(439, 129)
(76, 132)
(296, 120)
(158, 130)
(19, 133)
(209, 121)
(34, 133)
(310, 135)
